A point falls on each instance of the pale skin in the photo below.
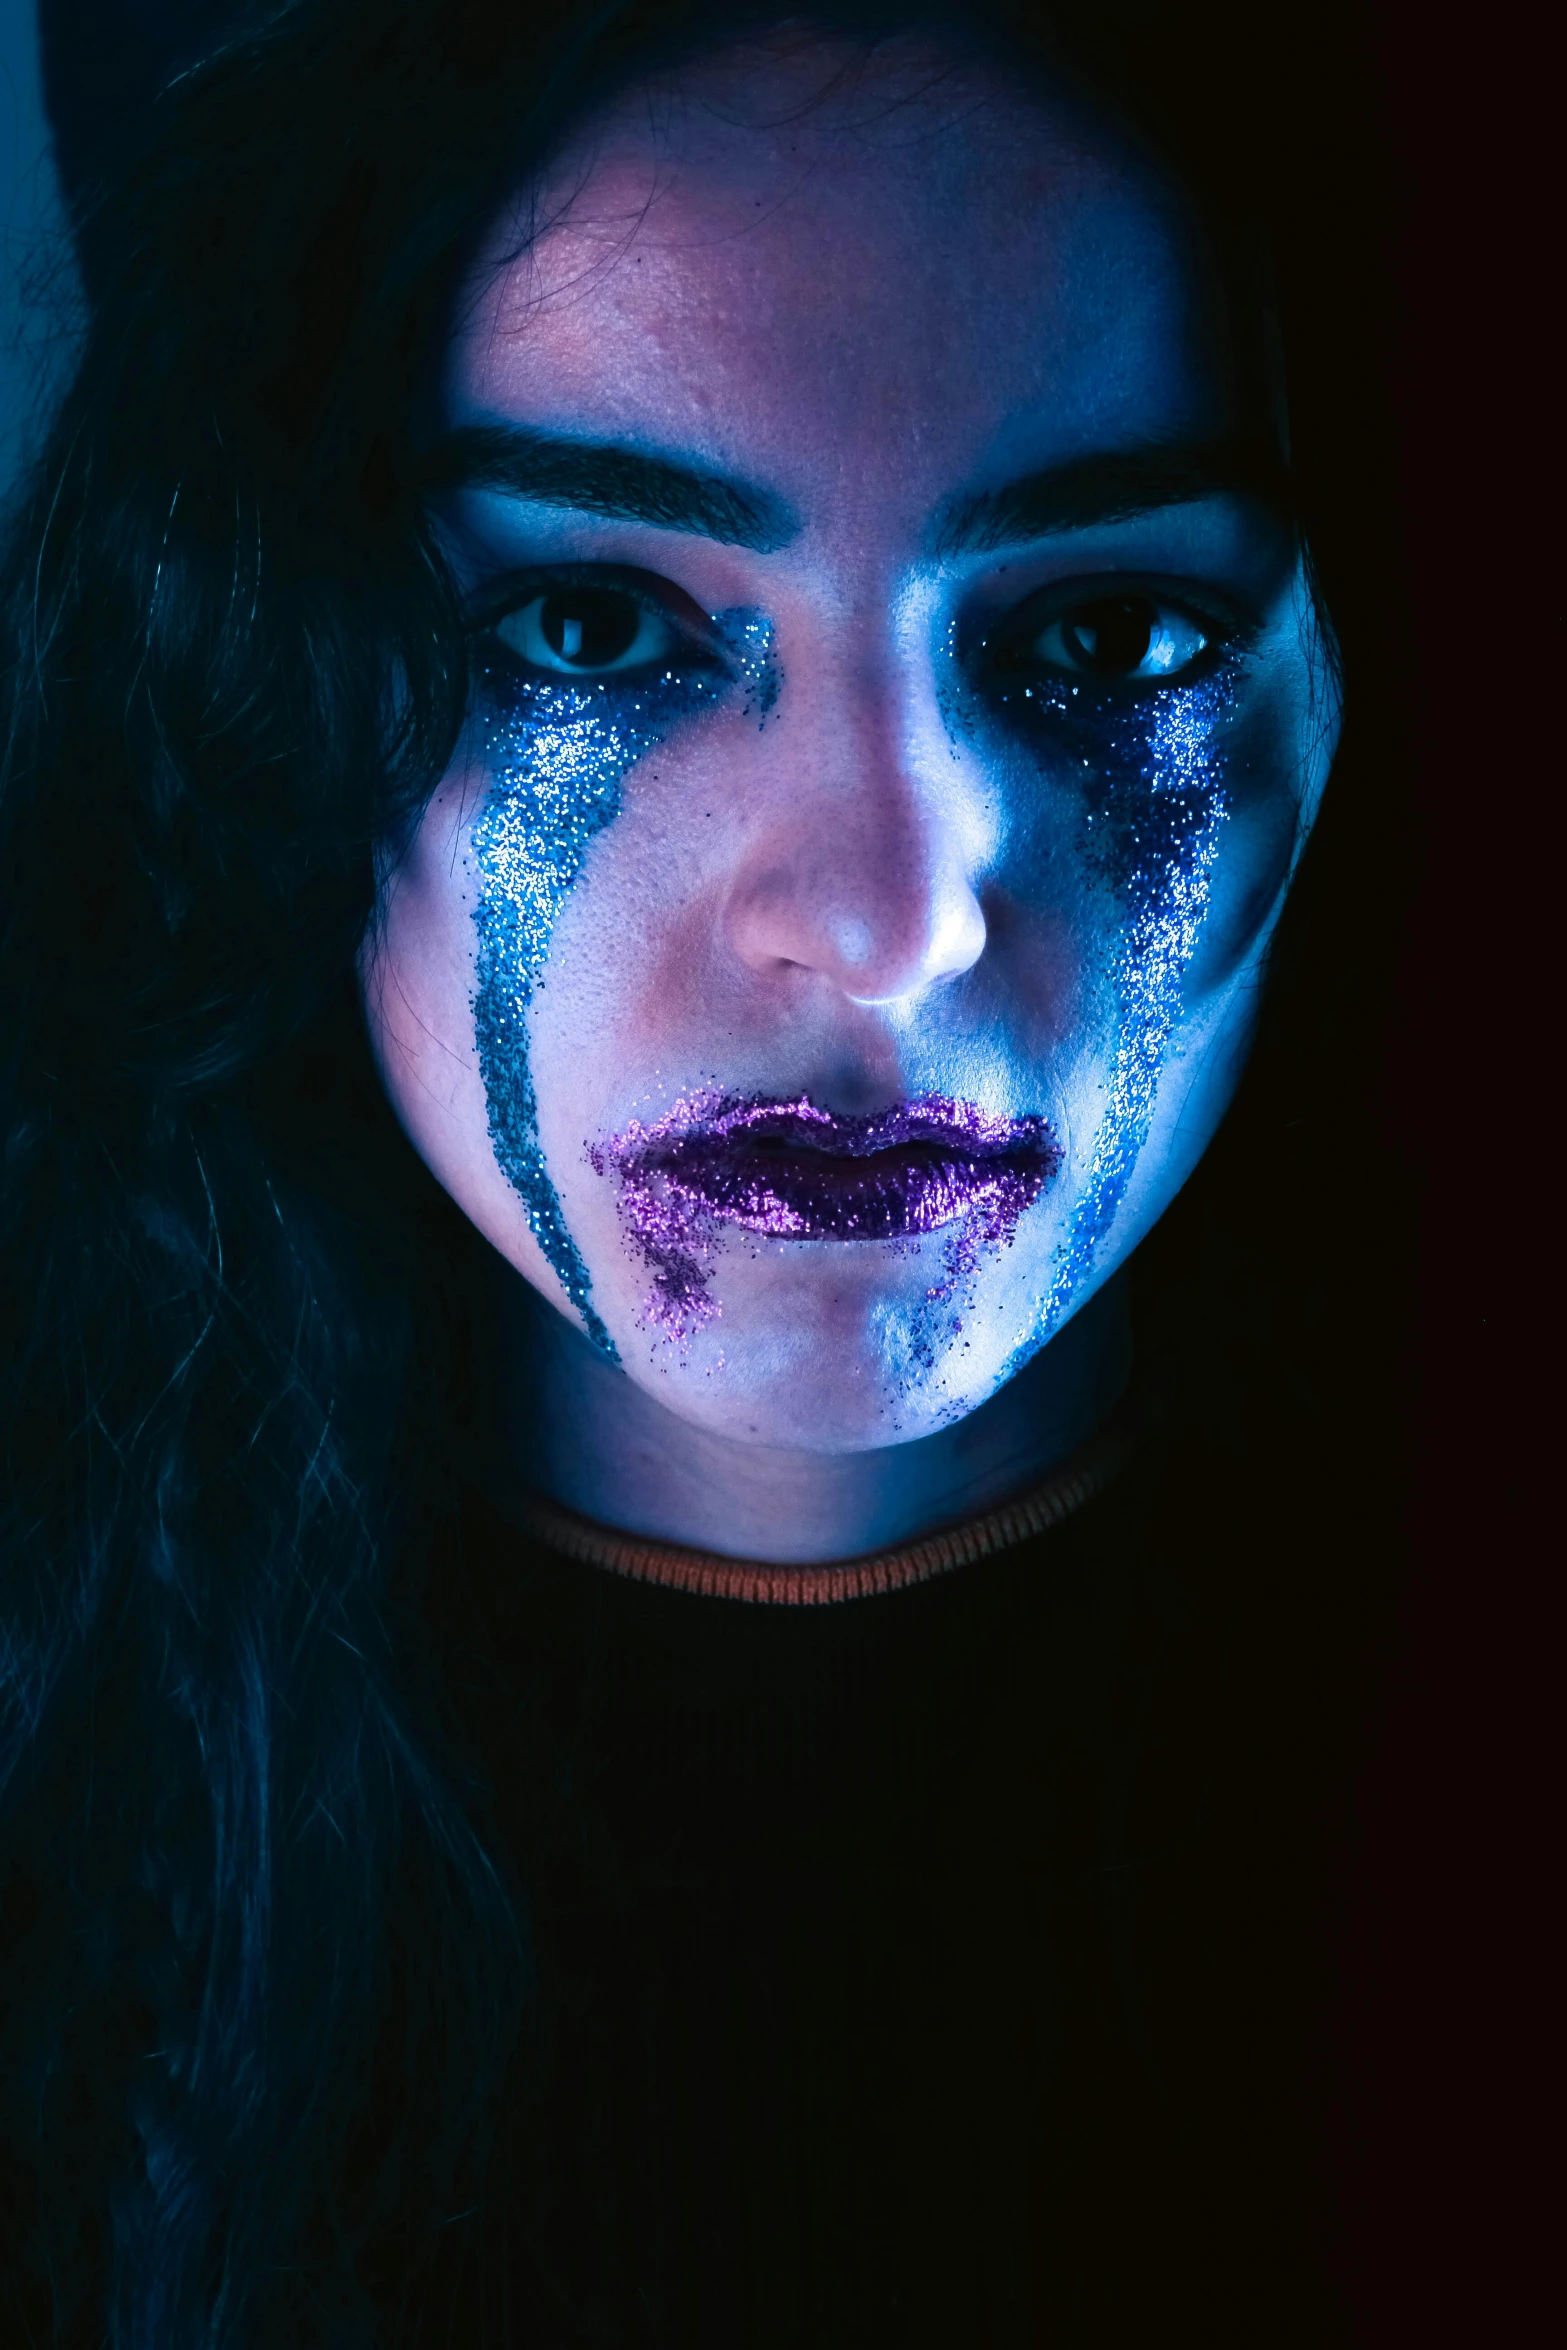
(867, 306)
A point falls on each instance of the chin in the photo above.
(813, 1349)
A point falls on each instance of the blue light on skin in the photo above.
(1161, 802)
(936, 869)
(557, 754)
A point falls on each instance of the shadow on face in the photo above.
(901, 708)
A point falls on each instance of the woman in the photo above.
(666, 677)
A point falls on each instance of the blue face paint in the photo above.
(1162, 817)
(1153, 780)
(558, 753)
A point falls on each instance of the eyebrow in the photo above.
(599, 477)
(1113, 486)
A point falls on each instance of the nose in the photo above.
(861, 871)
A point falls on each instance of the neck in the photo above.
(579, 1430)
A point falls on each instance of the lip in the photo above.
(794, 1171)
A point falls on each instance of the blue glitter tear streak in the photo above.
(1167, 814)
(558, 756)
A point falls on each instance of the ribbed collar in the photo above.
(711, 1575)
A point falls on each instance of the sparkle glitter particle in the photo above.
(558, 755)
(791, 1170)
(1159, 835)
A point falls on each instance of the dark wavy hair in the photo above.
(240, 1879)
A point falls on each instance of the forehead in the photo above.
(800, 261)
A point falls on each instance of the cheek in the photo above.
(1082, 898)
(633, 960)
(1256, 850)
(644, 982)
(1250, 870)
(1048, 954)
(417, 968)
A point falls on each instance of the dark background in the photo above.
(1442, 2099)
(1448, 2025)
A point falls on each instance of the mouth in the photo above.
(793, 1171)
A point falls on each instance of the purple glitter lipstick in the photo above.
(790, 1170)
(797, 1172)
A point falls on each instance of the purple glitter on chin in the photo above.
(790, 1170)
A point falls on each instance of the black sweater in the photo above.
(936, 1968)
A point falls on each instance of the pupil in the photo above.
(590, 626)
(1111, 638)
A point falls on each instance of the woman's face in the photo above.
(902, 707)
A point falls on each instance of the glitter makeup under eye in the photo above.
(558, 755)
(1157, 828)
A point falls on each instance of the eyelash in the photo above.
(550, 645)
(1083, 616)
(1094, 611)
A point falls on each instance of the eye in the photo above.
(590, 632)
(1120, 640)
